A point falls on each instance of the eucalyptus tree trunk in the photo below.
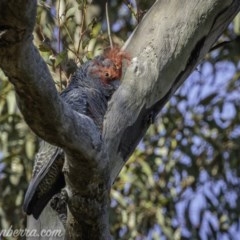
(170, 41)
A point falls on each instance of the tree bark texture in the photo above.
(165, 48)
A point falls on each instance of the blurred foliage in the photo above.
(17, 149)
(183, 180)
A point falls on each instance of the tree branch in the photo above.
(170, 41)
(48, 116)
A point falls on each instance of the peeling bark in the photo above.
(168, 44)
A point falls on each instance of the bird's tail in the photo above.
(48, 181)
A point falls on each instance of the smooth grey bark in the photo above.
(165, 48)
(171, 40)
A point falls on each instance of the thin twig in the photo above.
(220, 45)
(108, 27)
(82, 31)
(130, 7)
(59, 44)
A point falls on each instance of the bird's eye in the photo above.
(106, 74)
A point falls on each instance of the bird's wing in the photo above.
(96, 106)
(76, 98)
(47, 179)
(88, 101)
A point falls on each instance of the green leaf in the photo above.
(60, 58)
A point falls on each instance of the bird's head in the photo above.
(108, 67)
